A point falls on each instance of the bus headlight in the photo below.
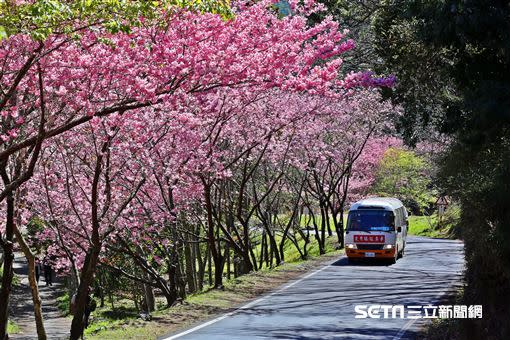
(388, 246)
(351, 246)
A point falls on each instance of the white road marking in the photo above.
(246, 306)
(398, 336)
(411, 322)
(404, 329)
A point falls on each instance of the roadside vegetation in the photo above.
(13, 327)
(120, 319)
(453, 67)
(452, 59)
(441, 329)
(405, 174)
(182, 160)
(124, 322)
(431, 226)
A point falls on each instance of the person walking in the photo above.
(38, 269)
(48, 272)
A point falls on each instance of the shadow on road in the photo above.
(334, 332)
(361, 262)
(322, 305)
(22, 308)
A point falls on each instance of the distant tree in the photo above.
(402, 174)
(356, 16)
(452, 59)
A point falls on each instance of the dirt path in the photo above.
(22, 310)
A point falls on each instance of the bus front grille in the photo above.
(370, 246)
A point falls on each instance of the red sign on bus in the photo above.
(369, 238)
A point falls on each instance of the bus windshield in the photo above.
(370, 220)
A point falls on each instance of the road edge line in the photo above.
(248, 305)
(411, 322)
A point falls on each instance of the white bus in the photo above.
(376, 228)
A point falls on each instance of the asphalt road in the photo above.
(321, 305)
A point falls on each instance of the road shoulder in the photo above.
(211, 304)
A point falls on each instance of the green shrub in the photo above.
(12, 327)
(63, 303)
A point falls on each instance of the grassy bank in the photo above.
(430, 226)
(451, 329)
(423, 226)
(123, 323)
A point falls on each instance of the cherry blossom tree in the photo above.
(333, 145)
(81, 94)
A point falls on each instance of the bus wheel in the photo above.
(393, 260)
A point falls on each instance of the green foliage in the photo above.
(481, 180)
(12, 327)
(63, 303)
(403, 174)
(105, 318)
(110, 284)
(199, 306)
(423, 88)
(422, 225)
(431, 226)
(41, 18)
(453, 62)
(293, 256)
(15, 279)
(357, 17)
(34, 227)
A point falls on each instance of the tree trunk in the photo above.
(86, 280)
(247, 264)
(209, 266)
(201, 266)
(181, 283)
(227, 251)
(330, 232)
(171, 294)
(215, 253)
(194, 260)
(190, 268)
(148, 296)
(8, 273)
(169, 290)
(316, 230)
(218, 271)
(263, 248)
(272, 241)
(253, 258)
(340, 229)
(6, 286)
(39, 324)
(324, 217)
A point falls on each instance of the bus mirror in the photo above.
(399, 229)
